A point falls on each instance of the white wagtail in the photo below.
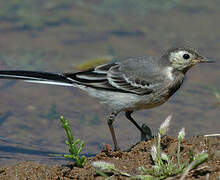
(132, 84)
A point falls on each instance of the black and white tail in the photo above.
(37, 77)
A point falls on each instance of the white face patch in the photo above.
(177, 56)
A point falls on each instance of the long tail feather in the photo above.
(37, 77)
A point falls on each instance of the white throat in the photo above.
(168, 72)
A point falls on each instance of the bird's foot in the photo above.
(146, 133)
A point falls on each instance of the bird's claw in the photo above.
(146, 133)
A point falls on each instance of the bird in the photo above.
(127, 85)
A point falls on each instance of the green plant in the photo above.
(164, 166)
(75, 146)
(102, 168)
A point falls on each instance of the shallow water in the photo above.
(59, 36)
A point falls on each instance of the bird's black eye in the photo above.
(186, 56)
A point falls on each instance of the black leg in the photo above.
(128, 115)
(110, 122)
(145, 130)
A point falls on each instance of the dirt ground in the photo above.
(129, 161)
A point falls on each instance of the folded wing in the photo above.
(110, 77)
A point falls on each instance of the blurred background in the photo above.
(57, 36)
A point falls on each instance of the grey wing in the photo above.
(130, 82)
(110, 77)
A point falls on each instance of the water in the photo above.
(57, 36)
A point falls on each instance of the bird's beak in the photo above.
(202, 60)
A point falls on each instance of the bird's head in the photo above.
(183, 59)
